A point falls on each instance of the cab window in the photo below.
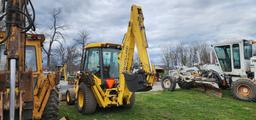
(2, 58)
(236, 56)
(30, 58)
(223, 55)
(247, 50)
(110, 63)
(93, 61)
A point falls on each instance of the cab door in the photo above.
(236, 61)
(33, 59)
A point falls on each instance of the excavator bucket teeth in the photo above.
(136, 82)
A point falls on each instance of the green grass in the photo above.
(178, 105)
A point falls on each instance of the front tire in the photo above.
(69, 99)
(168, 83)
(86, 102)
(244, 89)
(51, 110)
(185, 85)
(222, 83)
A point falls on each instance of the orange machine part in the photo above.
(110, 82)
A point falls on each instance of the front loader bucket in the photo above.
(136, 82)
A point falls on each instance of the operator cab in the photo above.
(234, 58)
(33, 42)
(30, 59)
(101, 59)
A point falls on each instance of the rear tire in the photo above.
(51, 109)
(185, 85)
(168, 83)
(132, 101)
(86, 102)
(69, 99)
(244, 89)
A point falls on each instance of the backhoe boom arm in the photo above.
(135, 36)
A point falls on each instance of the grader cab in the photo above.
(238, 65)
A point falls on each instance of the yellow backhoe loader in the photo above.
(63, 72)
(25, 93)
(107, 78)
(42, 88)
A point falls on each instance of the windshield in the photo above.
(93, 61)
(247, 50)
(223, 55)
(30, 59)
(2, 57)
(110, 63)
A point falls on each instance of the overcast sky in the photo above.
(167, 22)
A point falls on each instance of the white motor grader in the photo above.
(238, 65)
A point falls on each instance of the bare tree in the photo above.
(81, 41)
(55, 35)
(204, 53)
(167, 57)
(61, 53)
(68, 55)
(72, 58)
(181, 53)
(186, 54)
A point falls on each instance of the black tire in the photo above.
(51, 110)
(132, 102)
(238, 92)
(219, 81)
(69, 99)
(89, 101)
(185, 85)
(28, 111)
(168, 83)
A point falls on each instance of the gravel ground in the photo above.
(158, 87)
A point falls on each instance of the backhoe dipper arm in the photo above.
(143, 79)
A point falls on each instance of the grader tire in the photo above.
(185, 85)
(168, 83)
(244, 89)
(69, 99)
(51, 110)
(218, 79)
(86, 102)
(132, 101)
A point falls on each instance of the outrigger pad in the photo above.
(136, 82)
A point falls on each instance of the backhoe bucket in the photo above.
(136, 82)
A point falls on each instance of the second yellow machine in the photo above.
(107, 78)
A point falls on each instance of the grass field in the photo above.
(178, 105)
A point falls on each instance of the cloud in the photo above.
(167, 22)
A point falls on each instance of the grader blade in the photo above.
(208, 85)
